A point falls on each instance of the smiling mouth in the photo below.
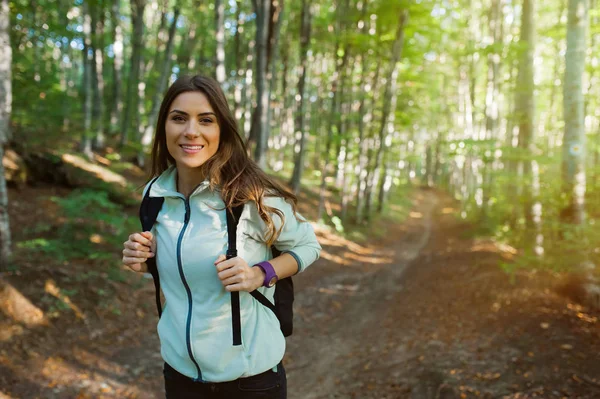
(192, 147)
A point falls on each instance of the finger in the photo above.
(148, 235)
(136, 246)
(138, 254)
(130, 260)
(232, 271)
(232, 280)
(220, 259)
(142, 268)
(226, 264)
(138, 267)
(140, 238)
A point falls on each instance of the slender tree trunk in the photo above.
(186, 49)
(189, 44)
(525, 105)
(162, 83)
(365, 152)
(340, 118)
(259, 130)
(86, 140)
(574, 146)
(300, 113)
(5, 135)
(286, 111)
(389, 100)
(160, 38)
(345, 158)
(239, 72)
(247, 92)
(272, 58)
(132, 98)
(337, 81)
(220, 38)
(117, 67)
(98, 77)
(492, 100)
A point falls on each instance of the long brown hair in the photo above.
(237, 177)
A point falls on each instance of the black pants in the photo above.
(267, 385)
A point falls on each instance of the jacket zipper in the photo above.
(187, 288)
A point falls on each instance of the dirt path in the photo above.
(442, 320)
(424, 313)
(323, 351)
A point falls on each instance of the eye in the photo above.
(206, 120)
(178, 118)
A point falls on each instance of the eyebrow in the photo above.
(185, 113)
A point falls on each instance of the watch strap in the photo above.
(270, 273)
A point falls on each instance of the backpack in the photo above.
(284, 289)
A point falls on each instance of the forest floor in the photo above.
(425, 312)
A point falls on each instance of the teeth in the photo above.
(193, 147)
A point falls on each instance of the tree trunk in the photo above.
(300, 112)
(574, 145)
(86, 140)
(159, 44)
(524, 104)
(389, 99)
(132, 98)
(239, 73)
(220, 38)
(189, 44)
(117, 67)
(5, 135)
(337, 81)
(247, 94)
(162, 83)
(272, 53)
(492, 99)
(365, 152)
(259, 129)
(97, 71)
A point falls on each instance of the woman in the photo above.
(203, 169)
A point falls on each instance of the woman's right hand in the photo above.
(138, 248)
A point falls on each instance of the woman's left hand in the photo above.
(236, 275)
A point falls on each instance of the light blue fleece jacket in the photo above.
(195, 328)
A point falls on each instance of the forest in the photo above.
(437, 146)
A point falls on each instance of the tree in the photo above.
(262, 8)
(86, 141)
(132, 98)
(97, 15)
(117, 66)
(162, 83)
(524, 104)
(388, 101)
(299, 149)
(220, 38)
(574, 145)
(5, 111)
(268, 21)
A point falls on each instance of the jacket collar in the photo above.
(166, 186)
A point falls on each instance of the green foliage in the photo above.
(92, 227)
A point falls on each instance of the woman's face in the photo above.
(192, 130)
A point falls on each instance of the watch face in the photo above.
(273, 281)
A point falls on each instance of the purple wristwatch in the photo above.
(270, 275)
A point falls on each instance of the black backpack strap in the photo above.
(233, 217)
(149, 210)
(263, 300)
(260, 297)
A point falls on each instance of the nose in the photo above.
(192, 130)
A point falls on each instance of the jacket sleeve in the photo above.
(297, 237)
